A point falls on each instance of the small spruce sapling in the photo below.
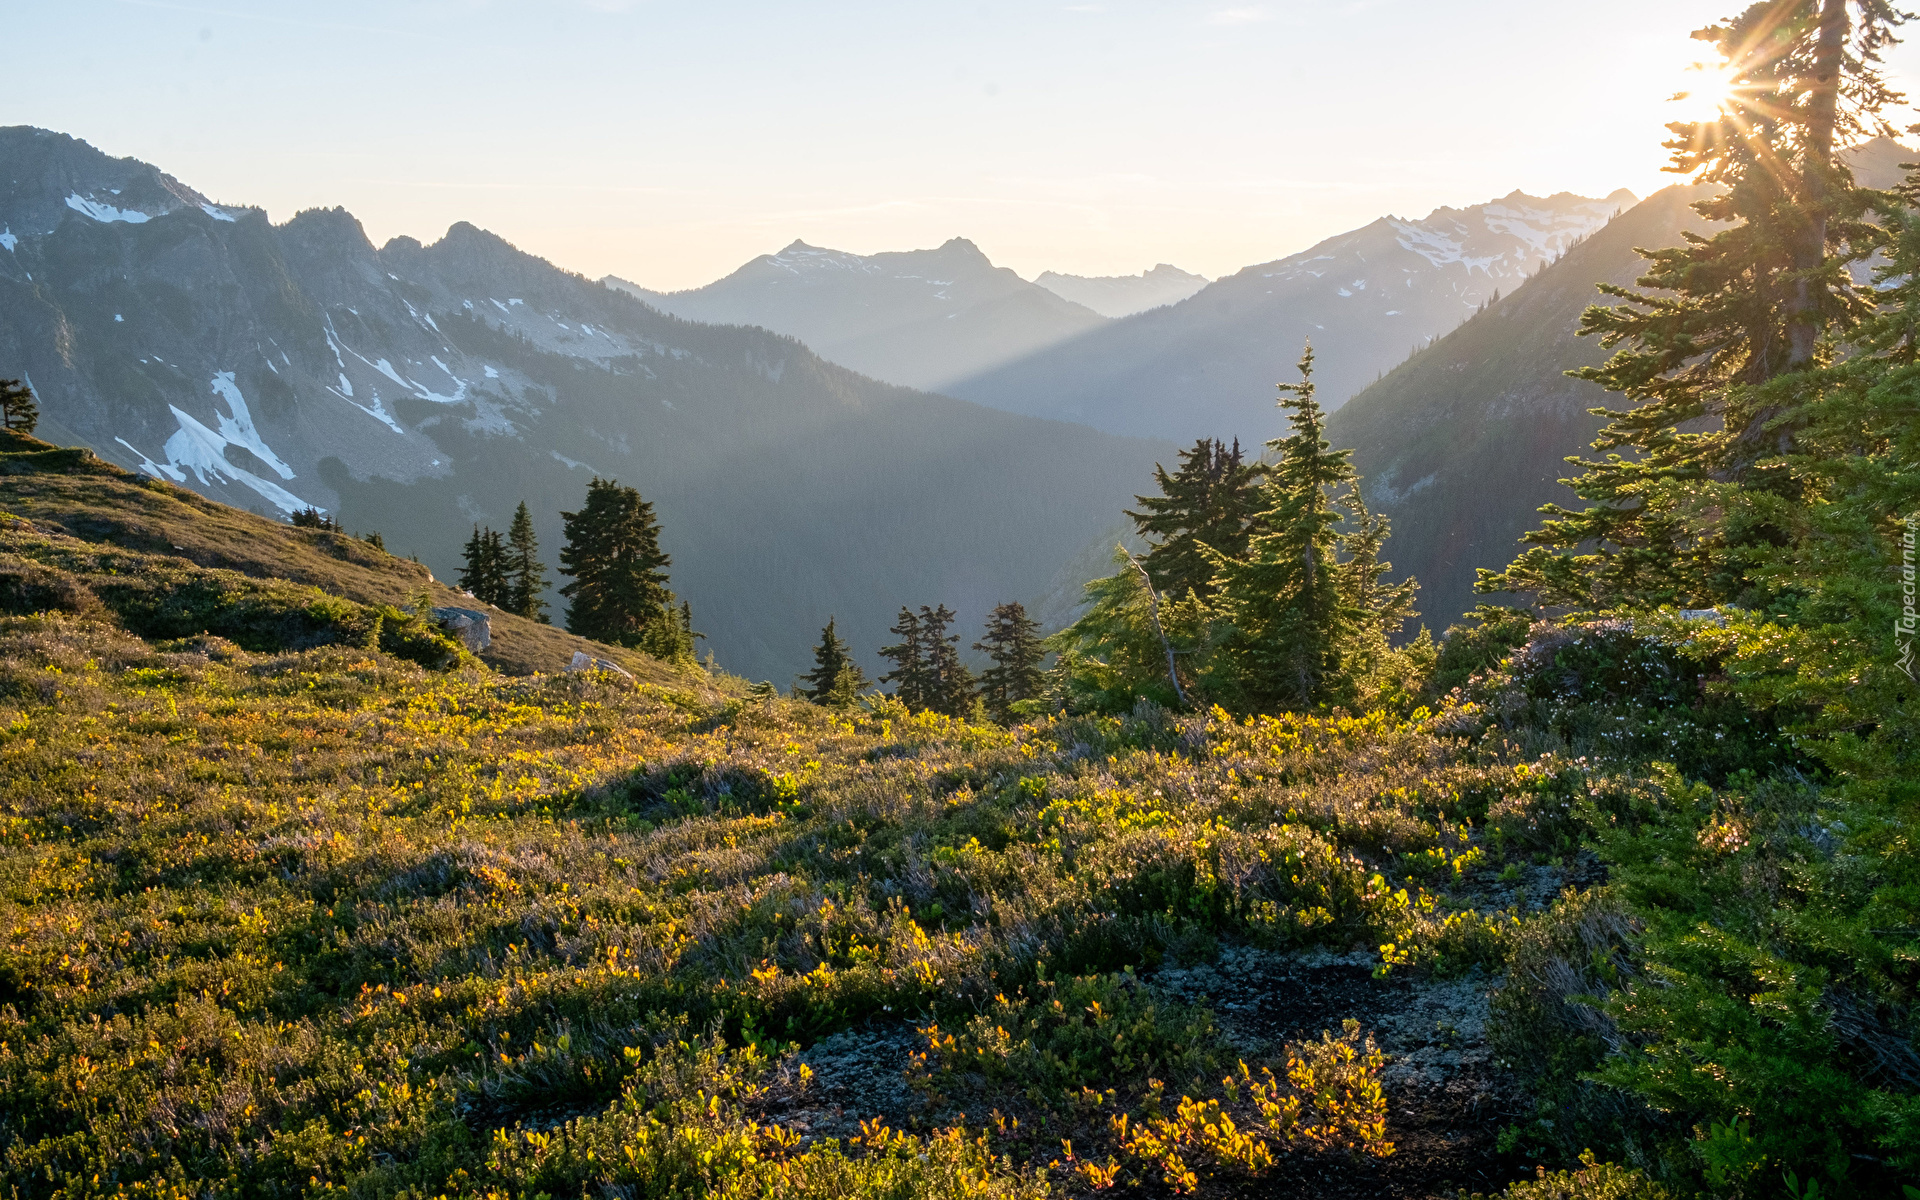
(835, 679)
(19, 412)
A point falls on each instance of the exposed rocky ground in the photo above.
(1448, 1099)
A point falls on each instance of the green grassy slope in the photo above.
(284, 912)
(160, 529)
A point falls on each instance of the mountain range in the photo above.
(1460, 445)
(420, 389)
(920, 318)
(417, 390)
(1124, 295)
(1206, 366)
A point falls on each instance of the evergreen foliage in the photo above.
(485, 573)
(19, 412)
(1290, 619)
(619, 590)
(1211, 502)
(909, 677)
(670, 637)
(1300, 618)
(1113, 656)
(836, 679)
(526, 574)
(1769, 295)
(950, 682)
(313, 518)
(928, 674)
(1012, 641)
(1768, 468)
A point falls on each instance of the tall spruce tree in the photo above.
(19, 412)
(911, 680)
(619, 589)
(1211, 500)
(1681, 516)
(1012, 641)
(526, 574)
(927, 672)
(836, 679)
(949, 683)
(1284, 599)
(484, 573)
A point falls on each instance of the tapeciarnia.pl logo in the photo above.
(1905, 624)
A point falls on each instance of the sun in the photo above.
(1707, 90)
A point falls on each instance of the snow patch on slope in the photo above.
(238, 429)
(378, 411)
(1440, 248)
(203, 451)
(105, 213)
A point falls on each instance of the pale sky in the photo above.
(669, 142)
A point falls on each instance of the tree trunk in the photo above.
(1829, 57)
(1803, 306)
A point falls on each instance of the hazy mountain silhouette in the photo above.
(1462, 444)
(1207, 365)
(1124, 295)
(922, 318)
(417, 390)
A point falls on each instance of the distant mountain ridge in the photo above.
(1206, 366)
(1462, 444)
(420, 389)
(1124, 295)
(920, 318)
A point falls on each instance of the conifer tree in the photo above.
(949, 683)
(910, 677)
(484, 575)
(835, 679)
(928, 673)
(1680, 516)
(526, 574)
(1384, 606)
(1115, 653)
(1210, 500)
(618, 570)
(1284, 599)
(670, 635)
(19, 412)
(1012, 642)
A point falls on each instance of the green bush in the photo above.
(1550, 1026)
(1593, 1181)
(1484, 638)
(1055, 1037)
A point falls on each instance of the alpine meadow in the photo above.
(472, 729)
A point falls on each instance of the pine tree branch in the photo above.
(1153, 603)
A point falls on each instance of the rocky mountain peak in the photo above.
(50, 177)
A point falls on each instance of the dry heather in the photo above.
(320, 920)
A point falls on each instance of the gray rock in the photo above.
(582, 661)
(470, 625)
